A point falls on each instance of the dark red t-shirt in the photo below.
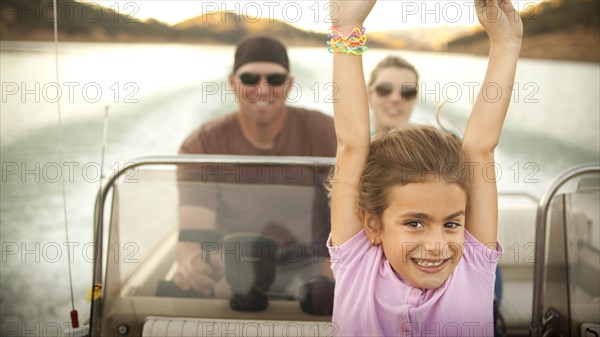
(304, 133)
(297, 213)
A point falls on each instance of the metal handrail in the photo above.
(535, 330)
(526, 195)
(107, 184)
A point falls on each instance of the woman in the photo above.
(393, 88)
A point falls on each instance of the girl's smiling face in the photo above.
(422, 231)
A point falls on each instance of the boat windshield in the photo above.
(219, 240)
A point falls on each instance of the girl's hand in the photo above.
(349, 14)
(500, 20)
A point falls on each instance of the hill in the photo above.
(566, 30)
(426, 39)
(558, 29)
(32, 20)
(229, 27)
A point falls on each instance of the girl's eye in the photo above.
(451, 225)
(414, 224)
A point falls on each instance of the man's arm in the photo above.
(195, 212)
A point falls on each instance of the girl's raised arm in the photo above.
(505, 30)
(351, 113)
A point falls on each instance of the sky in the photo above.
(312, 14)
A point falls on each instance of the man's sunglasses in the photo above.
(274, 79)
(407, 91)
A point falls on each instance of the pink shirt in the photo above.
(370, 300)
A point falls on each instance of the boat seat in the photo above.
(515, 308)
(516, 233)
(187, 327)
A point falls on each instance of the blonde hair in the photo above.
(412, 154)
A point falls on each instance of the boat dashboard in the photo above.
(261, 225)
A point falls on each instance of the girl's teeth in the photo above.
(428, 263)
(262, 103)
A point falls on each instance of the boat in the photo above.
(550, 268)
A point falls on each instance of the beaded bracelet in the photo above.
(353, 43)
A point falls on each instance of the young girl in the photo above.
(414, 213)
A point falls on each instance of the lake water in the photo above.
(156, 94)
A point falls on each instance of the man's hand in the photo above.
(197, 272)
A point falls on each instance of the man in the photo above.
(263, 125)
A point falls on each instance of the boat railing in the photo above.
(537, 321)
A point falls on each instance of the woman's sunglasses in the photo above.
(274, 79)
(407, 91)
